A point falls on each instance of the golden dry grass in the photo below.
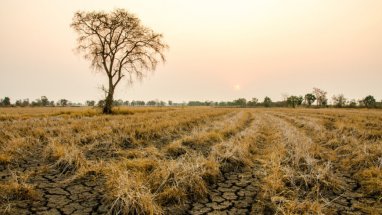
(322, 156)
(153, 158)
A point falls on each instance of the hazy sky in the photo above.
(219, 49)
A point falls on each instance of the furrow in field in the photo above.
(274, 164)
(201, 139)
(235, 190)
(159, 135)
(363, 125)
(341, 152)
(303, 176)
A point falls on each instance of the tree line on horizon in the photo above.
(317, 98)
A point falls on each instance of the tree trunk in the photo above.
(107, 108)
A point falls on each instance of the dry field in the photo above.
(190, 161)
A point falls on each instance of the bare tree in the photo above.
(339, 100)
(320, 96)
(119, 45)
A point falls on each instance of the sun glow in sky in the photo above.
(219, 49)
(237, 87)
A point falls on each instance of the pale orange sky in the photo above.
(219, 49)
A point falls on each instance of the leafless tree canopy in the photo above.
(320, 96)
(118, 44)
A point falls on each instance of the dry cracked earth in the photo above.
(56, 192)
(234, 193)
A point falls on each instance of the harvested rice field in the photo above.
(190, 160)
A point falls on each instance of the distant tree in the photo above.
(294, 101)
(37, 102)
(325, 103)
(90, 103)
(118, 102)
(361, 103)
(62, 102)
(267, 101)
(242, 102)
(101, 103)
(369, 101)
(320, 96)
(339, 100)
(75, 104)
(300, 99)
(25, 102)
(222, 103)
(118, 44)
(5, 102)
(198, 103)
(19, 103)
(151, 103)
(194, 103)
(162, 103)
(169, 103)
(137, 103)
(309, 99)
(44, 101)
(352, 103)
(253, 102)
(126, 103)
